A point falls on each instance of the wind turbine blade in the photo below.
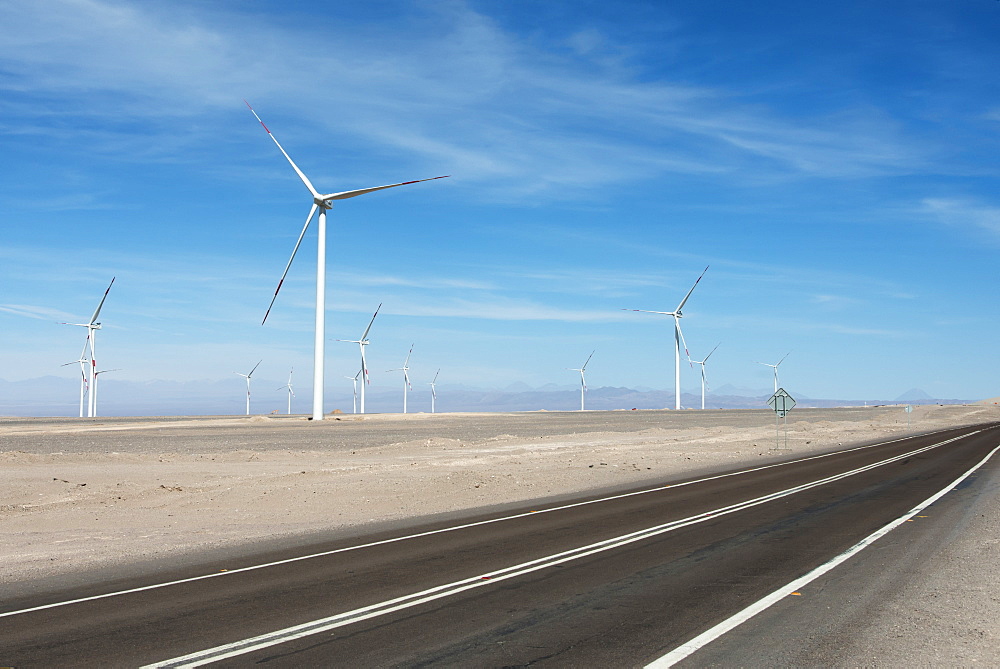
(408, 357)
(343, 195)
(406, 377)
(783, 359)
(644, 311)
(291, 162)
(710, 354)
(681, 305)
(677, 324)
(588, 359)
(368, 329)
(364, 367)
(312, 212)
(97, 312)
(254, 368)
(436, 376)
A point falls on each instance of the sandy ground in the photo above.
(77, 495)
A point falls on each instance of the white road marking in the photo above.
(707, 637)
(407, 601)
(453, 528)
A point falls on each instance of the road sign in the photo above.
(781, 402)
(909, 408)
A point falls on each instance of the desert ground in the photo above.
(87, 497)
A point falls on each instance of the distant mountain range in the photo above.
(56, 396)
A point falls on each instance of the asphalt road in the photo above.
(612, 582)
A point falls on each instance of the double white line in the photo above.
(383, 608)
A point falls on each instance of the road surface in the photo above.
(618, 580)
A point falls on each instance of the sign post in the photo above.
(781, 402)
(908, 410)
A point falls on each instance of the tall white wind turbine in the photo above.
(405, 369)
(364, 365)
(291, 393)
(247, 377)
(583, 381)
(92, 327)
(704, 383)
(678, 338)
(775, 368)
(355, 379)
(320, 203)
(434, 394)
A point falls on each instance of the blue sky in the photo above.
(834, 163)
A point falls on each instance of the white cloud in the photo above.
(32, 311)
(453, 90)
(963, 213)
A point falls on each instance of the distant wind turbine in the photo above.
(678, 338)
(434, 390)
(704, 383)
(247, 377)
(583, 381)
(82, 361)
(97, 374)
(291, 393)
(92, 327)
(320, 203)
(355, 379)
(405, 369)
(364, 365)
(775, 368)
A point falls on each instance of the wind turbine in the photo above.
(291, 393)
(433, 390)
(94, 389)
(364, 365)
(678, 338)
(83, 373)
(92, 327)
(775, 368)
(355, 379)
(405, 369)
(704, 383)
(320, 203)
(247, 377)
(583, 382)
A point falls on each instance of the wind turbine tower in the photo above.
(583, 381)
(247, 377)
(364, 365)
(704, 383)
(321, 203)
(678, 338)
(405, 369)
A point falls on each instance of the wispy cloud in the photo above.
(964, 214)
(32, 311)
(452, 88)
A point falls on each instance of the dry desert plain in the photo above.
(88, 498)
